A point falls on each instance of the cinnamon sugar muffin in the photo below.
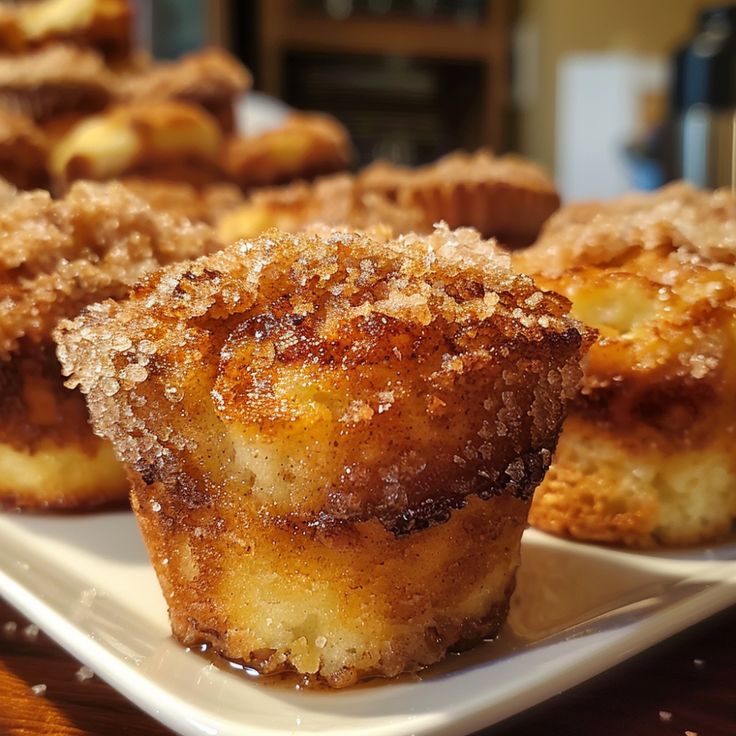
(164, 140)
(332, 200)
(54, 81)
(507, 197)
(646, 457)
(211, 78)
(332, 440)
(23, 151)
(55, 257)
(305, 146)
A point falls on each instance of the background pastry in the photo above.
(23, 151)
(646, 456)
(331, 200)
(55, 257)
(56, 81)
(164, 140)
(211, 78)
(508, 197)
(305, 146)
(104, 25)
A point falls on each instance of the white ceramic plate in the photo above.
(578, 610)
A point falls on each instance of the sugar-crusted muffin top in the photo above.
(654, 274)
(414, 278)
(343, 340)
(56, 256)
(678, 218)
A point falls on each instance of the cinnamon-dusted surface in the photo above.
(646, 458)
(58, 255)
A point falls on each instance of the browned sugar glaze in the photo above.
(655, 273)
(398, 331)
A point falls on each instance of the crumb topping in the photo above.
(208, 73)
(58, 255)
(690, 223)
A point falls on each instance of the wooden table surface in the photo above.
(685, 686)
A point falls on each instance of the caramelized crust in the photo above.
(54, 81)
(23, 151)
(652, 274)
(335, 201)
(336, 603)
(299, 413)
(413, 318)
(306, 146)
(58, 255)
(508, 198)
(165, 140)
(211, 78)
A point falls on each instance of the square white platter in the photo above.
(577, 610)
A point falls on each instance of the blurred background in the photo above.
(643, 90)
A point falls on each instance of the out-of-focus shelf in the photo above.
(286, 27)
(363, 35)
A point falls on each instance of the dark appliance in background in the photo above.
(411, 79)
(406, 110)
(704, 101)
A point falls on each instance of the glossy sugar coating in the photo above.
(647, 457)
(333, 439)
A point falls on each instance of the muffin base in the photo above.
(338, 602)
(605, 488)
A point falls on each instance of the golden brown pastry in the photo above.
(646, 457)
(163, 140)
(105, 25)
(53, 82)
(332, 200)
(23, 151)
(305, 146)
(211, 78)
(332, 440)
(209, 203)
(507, 197)
(55, 257)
